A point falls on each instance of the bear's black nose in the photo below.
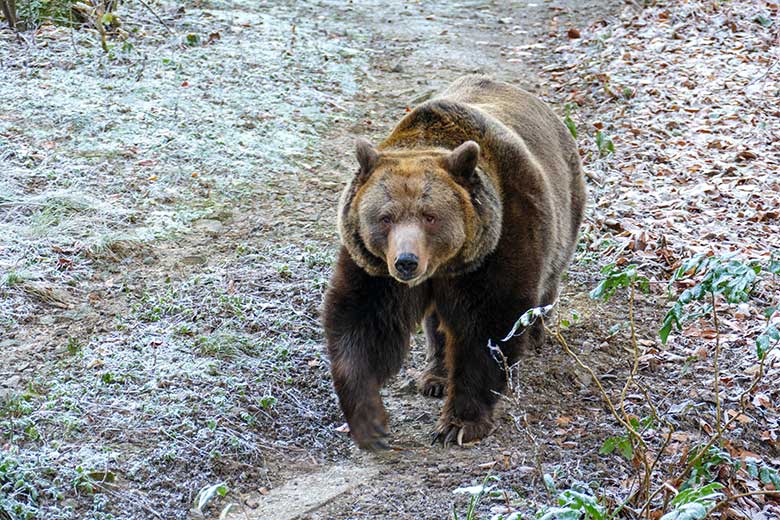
(406, 264)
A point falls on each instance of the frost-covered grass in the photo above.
(159, 322)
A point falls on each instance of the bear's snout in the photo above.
(406, 265)
(407, 258)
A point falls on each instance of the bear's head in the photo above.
(413, 214)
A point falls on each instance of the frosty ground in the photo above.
(167, 229)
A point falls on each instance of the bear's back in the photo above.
(523, 142)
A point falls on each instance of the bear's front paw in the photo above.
(368, 427)
(451, 429)
(432, 382)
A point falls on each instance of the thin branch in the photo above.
(716, 362)
(559, 337)
(726, 500)
(136, 499)
(149, 8)
(700, 453)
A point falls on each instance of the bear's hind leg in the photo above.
(433, 380)
(477, 357)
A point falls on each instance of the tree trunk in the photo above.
(9, 11)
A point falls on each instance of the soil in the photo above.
(170, 224)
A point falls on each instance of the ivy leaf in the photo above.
(609, 446)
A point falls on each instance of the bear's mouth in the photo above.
(411, 282)
(411, 279)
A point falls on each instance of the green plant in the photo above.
(696, 481)
(718, 276)
(567, 120)
(91, 481)
(73, 346)
(631, 444)
(207, 494)
(23, 485)
(16, 405)
(19, 489)
(765, 473)
(33, 13)
(604, 144)
(694, 503)
(575, 504)
(268, 401)
(615, 279)
(11, 278)
(624, 444)
(704, 467)
(192, 40)
(477, 493)
(528, 318)
(224, 345)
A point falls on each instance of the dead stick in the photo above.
(9, 11)
(149, 8)
(740, 495)
(716, 362)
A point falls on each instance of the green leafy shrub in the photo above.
(33, 13)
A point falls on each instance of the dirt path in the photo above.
(413, 52)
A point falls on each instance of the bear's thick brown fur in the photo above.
(463, 218)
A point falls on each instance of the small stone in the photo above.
(149, 260)
(583, 378)
(210, 227)
(14, 381)
(193, 260)
(524, 471)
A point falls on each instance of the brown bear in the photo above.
(463, 218)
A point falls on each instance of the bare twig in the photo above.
(726, 500)
(133, 499)
(630, 380)
(716, 362)
(562, 341)
(162, 22)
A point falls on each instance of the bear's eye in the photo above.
(430, 219)
(386, 220)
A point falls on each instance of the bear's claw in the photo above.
(432, 389)
(432, 384)
(450, 432)
(436, 391)
(377, 444)
(455, 433)
(371, 437)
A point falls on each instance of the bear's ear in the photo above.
(462, 161)
(367, 157)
